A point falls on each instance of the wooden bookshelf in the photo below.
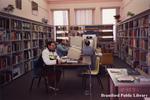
(104, 34)
(21, 41)
(133, 40)
(61, 32)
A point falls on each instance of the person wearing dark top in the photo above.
(87, 50)
(62, 49)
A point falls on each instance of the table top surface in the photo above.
(120, 77)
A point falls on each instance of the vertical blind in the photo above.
(84, 17)
(60, 17)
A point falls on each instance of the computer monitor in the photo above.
(76, 41)
(74, 53)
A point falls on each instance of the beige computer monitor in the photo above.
(74, 53)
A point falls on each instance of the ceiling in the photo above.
(80, 1)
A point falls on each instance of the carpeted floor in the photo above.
(70, 88)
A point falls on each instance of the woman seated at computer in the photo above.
(62, 49)
(89, 52)
(50, 58)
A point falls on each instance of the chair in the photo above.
(106, 59)
(93, 73)
(38, 73)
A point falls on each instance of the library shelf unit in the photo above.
(61, 32)
(104, 34)
(21, 41)
(133, 40)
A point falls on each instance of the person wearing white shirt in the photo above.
(50, 58)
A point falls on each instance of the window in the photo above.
(19, 4)
(60, 17)
(34, 8)
(84, 16)
(108, 16)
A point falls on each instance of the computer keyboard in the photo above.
(72, 61)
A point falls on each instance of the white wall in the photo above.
(135, 6)
(71, 6)
(26, 11)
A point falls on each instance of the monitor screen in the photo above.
(74, 53)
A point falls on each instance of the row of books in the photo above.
(4, 62)
(5, 48)
(16, 46)
(26, 26)
(148, 59)
(35, 35)
(39, 28)
(16, 35)
(144, 32)
(42, 35)
(85, 27)
(35, 43)
(27, 45)
(27, 66)
(17, 58)
(134, 43)
(26, 35)
(28, 54)
(4, 36)
(136, 33)
(144, 44)
(143, 22)
(16, 24)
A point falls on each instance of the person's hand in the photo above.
(59, 61)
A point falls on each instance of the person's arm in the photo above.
(47, 61)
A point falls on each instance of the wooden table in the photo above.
(73, 66)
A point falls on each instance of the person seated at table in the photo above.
(50, 58)
(62, 49)
(87, 50)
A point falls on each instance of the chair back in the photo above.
(106, 59)
(35, 67)
(87, 60)
(38, 65)
(90, 60)
(97, 67)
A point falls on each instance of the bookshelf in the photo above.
(104, 34)
(21, 41)
(62, 32)
(133, 40)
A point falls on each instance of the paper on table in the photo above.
(125, 79)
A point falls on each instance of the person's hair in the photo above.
(60, 40)
(49, 43)
(87, 42)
